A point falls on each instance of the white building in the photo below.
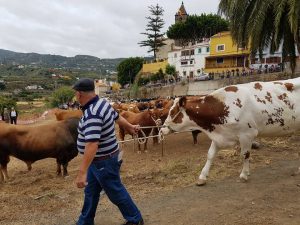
(189, 61)
(162, 52)
(34, 87)
(269, 60)
(101, 87)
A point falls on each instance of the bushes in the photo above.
(6, 102)
(61, 96)
(143, 81)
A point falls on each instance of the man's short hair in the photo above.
(84, 84)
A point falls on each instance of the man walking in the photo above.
(100, 168)
(5, 115)
(13, 116)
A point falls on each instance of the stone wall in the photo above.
(206, 87)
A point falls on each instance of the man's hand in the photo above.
(89, 154)
(81, 180)
(134, 129)
(131, 129)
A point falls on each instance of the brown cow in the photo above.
(66, 114)
(32, 143)
(142, 106)
(121, 107)
(146, 118)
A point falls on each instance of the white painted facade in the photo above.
(269, 59)
(189, 61)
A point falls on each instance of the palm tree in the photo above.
(263, 23)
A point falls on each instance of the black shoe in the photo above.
(141, 222)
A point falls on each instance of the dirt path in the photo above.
(163, 187)
(272, 196)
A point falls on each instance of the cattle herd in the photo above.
(235, 114)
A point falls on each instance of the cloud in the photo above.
(102, 28)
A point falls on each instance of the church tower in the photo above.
(181, 15)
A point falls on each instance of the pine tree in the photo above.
(155, 39)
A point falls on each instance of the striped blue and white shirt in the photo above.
(97, 124)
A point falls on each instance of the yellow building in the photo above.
(152, 68)
(225, 56)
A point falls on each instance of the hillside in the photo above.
(78, 62)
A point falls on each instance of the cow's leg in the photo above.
(122, 136)
(139, 148)
(255, 145)
(154, 133)
(1, 175)
(145, 146)
(28, 163)
(245, 143)
(195, 135)
(213, 149)
(140, 135)
(147, 134)
(58, 167)
(4, 160)
(65, 169)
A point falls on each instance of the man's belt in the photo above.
(107, 156)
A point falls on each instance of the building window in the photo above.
(175, 55)
(184, 63)
(273, 60)
(220, 60)
(191, 62)
(220, 48)
(199, 50)
(192, 52)
(207, 49)
(185, 53)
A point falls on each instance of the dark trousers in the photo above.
(13, 120)
(105, 174)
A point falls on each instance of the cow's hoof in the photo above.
(255, 145)
(201, 182)
(243, 178)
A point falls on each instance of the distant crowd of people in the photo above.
(9, 116)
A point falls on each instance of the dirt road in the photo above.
(164, 189)
(272, 196)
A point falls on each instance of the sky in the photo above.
(101, 28)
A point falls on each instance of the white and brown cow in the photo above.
(238, 114)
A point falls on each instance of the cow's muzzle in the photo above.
(165, 130)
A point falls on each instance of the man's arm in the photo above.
(88, 156)
(132, 129)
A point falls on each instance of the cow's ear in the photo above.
(182, 101)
